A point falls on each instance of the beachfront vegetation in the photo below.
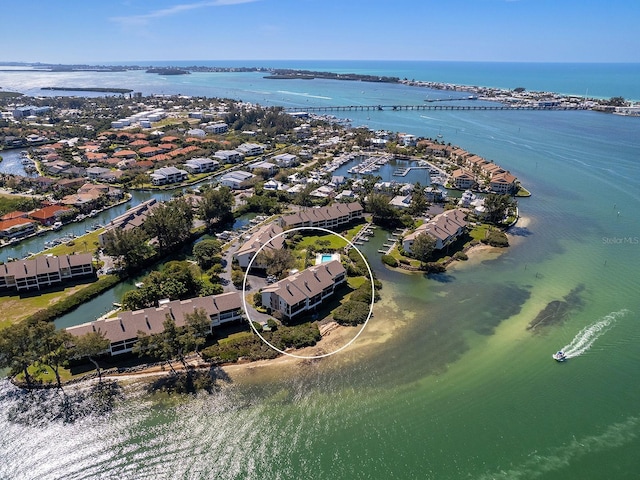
(27, 348)
(250, 347)
(496, 238)
(497, 207)
(351, 313)
(175, 343)
(91, 345)
(389, 260)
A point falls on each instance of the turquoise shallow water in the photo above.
(460, 389)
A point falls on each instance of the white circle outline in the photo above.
(244, 293)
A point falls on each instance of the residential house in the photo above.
(503, 183)
(123, 330)
(251, 149)
(268, 167)
(94, 173)
(196, 132)
(284, 160)
(132, 218)
(17, 227)
(150, 151)
(120, 154)
(49, 215)
(304, 291)
(217, 128)
(273, 185)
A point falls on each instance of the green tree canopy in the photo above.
(170, 223)
(129, 247)
(206, 252)
(383, 213)
(497, 206)
(423, 247)
(216, 206)
(90, 346)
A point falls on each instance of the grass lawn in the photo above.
(84, 244)
(356, 282)
(16, 307)
(320, 242)
(236, 336)
(479, 232)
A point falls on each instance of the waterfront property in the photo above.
(251, 149)
(44, 271)
(236, 180)
(132, 218)
(201, 165)
(263, 236)
(166, 175)
(503, 183)
(48, 215)
(325, 217)
(445, 228)
(17, 227)
(229, 156)
(463, 180)
(123, 330)
(305, 290)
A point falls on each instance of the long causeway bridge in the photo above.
(355, 108)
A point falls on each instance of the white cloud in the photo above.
(174, 10)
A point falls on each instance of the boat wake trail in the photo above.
(588, 335)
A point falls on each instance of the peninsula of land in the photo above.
(226, 160)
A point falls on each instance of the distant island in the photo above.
(90, 89)
(288, 74)
(168, 71)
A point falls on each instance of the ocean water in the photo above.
(446, 382)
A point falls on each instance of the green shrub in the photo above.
(461, 256)
(496, 238)
(351, 313)
(75, 300)
(272, 324)
(434, 267)
(389, 260)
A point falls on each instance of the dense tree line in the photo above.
(32, 347)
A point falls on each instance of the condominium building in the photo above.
(123, 330)
(44, 271)
(325, 217)
(305, 290)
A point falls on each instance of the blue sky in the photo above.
(87, 31)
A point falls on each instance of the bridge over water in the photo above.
(355, 108)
